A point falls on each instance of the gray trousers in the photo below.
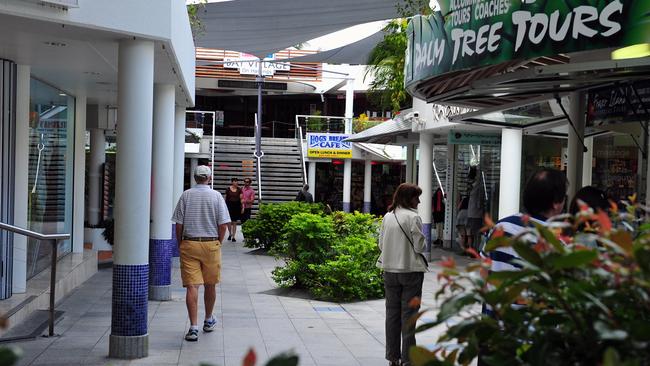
(400, 289)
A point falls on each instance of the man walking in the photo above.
(201, 218)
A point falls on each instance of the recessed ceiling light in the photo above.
(55, 44)
(63, 94)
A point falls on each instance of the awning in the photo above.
(382, 152)
(385, 133)
(264, 27)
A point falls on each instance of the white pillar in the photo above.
(367, 186)
(575, 150)
(425, 179)
(587, 162)
(129, 336)
(95, 168)
(450, 207)
(410, 163)
(311, 178)
(162, 168)
(19, 284)
(510, 175)
(347, 165)
(162, 183)
(79, 179)
(179, 153)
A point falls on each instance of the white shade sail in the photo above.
(263, 27)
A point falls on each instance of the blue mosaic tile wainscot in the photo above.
(175, 252)
(346, 206)
(130, 295)
(160, 262)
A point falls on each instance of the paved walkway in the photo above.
(251, 312)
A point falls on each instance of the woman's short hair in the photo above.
(403, 196)
(233, 179)
(545, 188)
(592, 197)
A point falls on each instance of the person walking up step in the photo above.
(201, 218)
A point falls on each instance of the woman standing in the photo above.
(233, 201)
(401, 242)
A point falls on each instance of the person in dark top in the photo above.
(233, 201)
(592, 197)
(304, 195)
(438, 211)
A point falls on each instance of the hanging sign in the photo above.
(328, 145)
(468, 34)
(249, 65)
(619, 104)
(473, 138)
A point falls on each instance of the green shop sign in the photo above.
(473, 138)
(467, 34)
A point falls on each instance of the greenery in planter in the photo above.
(265, 230)
(579, 303)
(332, 256)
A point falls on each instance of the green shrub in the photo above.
(352, 274)
(307, 240)
(265, 230)
(583, 300)
(332, 256)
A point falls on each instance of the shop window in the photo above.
(51, 147)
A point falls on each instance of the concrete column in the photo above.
(587, 161)
(510, 174)
(179, 166)
(19, 284)
(367, 186)
(450, 207)
(79, 179)
(311, 178)
(129, 338)
(95, 176)
(162, 183)
(347, 165)
(425, 179)
(410, 163)
(575, 150)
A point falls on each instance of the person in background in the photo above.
(461, 223)
(304, 195)
(247, 199)
(475, 208)
(233, 201)
(592, 197)
(201, 218)
(544, 197)
(402, 243)
(438, 214)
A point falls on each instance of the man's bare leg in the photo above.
(209, 298)
(191, 300)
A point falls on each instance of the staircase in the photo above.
(281, 166)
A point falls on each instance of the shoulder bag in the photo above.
(408, 237)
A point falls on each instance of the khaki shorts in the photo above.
(200, 262)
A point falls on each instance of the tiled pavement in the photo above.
(251, 312)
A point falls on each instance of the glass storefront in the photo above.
(51, 155)
(616, 167)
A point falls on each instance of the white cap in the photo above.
(203, 171)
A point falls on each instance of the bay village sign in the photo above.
(466, 34)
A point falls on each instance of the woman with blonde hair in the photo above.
(402, 243)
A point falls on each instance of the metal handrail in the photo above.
(54, 240)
